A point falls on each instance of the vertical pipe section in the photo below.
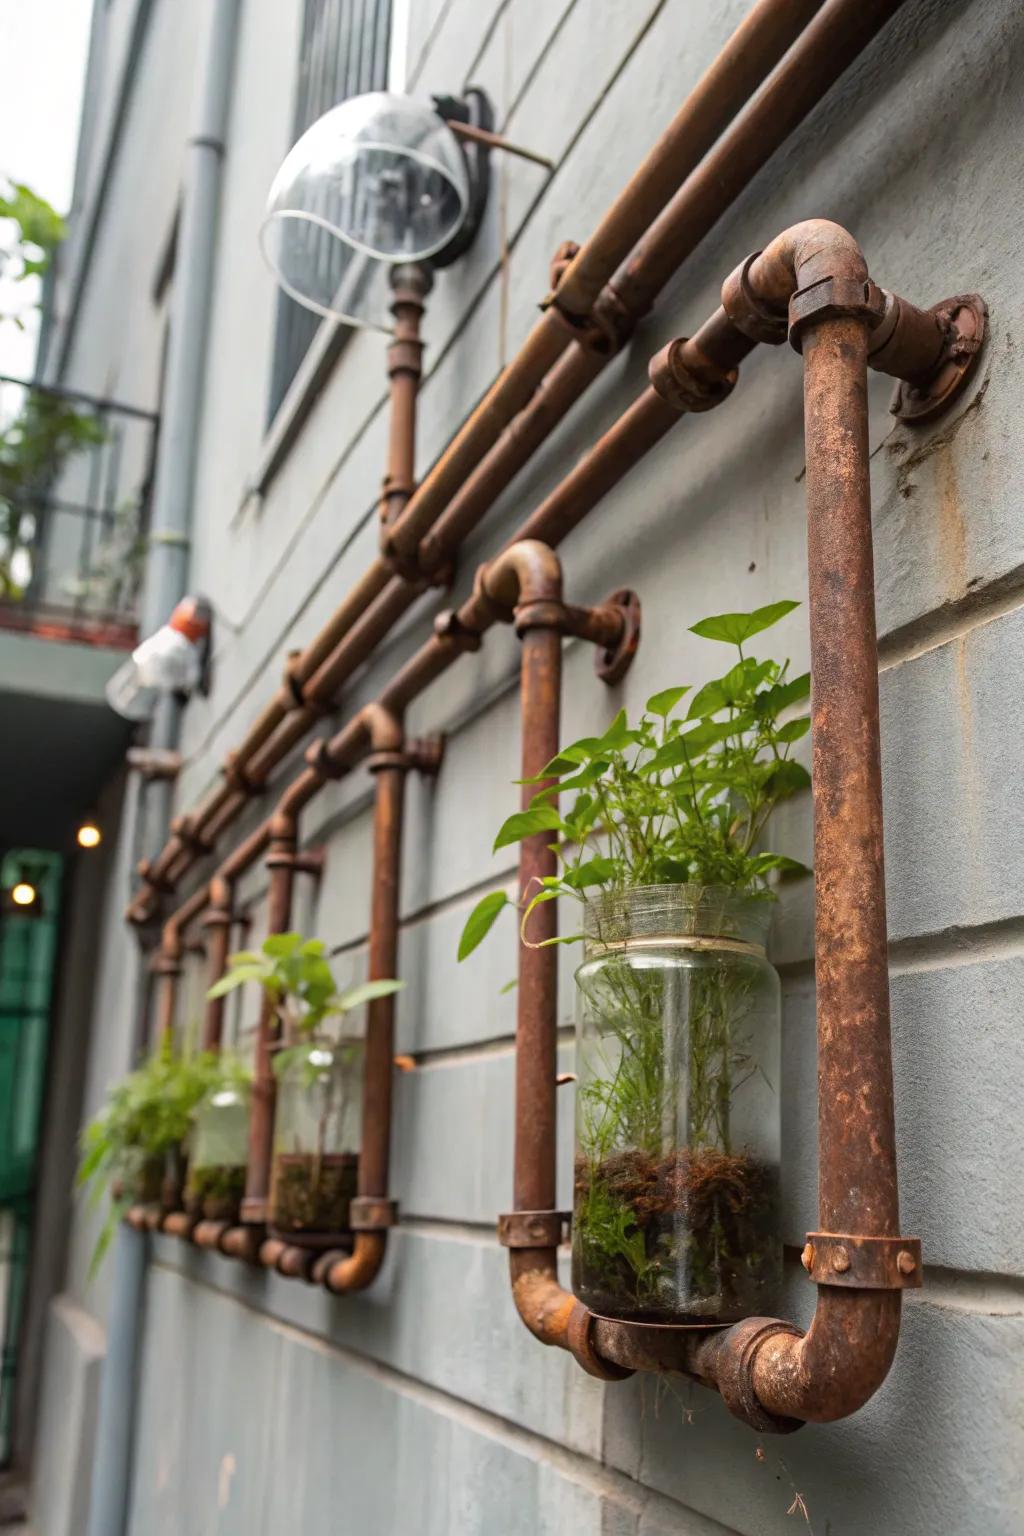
(390, 768)
(217, 923)
(112, 1452)
(281, 864)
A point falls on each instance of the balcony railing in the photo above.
(75, 478)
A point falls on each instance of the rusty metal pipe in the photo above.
(389, 765)
(217, 921)
(281, 867)
(761, 39)
(410, 283)
(823, 51)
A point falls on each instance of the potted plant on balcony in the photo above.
(135, 1148)
(318, 1120)
(660, 839)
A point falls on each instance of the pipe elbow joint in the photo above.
(342, 1273)
(526, 572)
(554, 1316)
(776, 1378)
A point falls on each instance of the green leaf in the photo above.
(565, 761)
(772, 701)
(314, 947)
(594, 872)
(664, 703)
(765, 863)
(480, 921)
(539, 818)
(509, 986)
(787, 778)
(793, 730)
(236, 978)
(280, 946)
(355, 997)
(617, 736)
(735, 628)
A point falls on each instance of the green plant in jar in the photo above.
(220, 1144)
(135, 1147)
(318, 1119)
(660, 839)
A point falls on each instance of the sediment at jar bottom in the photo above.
(313, 1193)
(216, 1191)
(691, 1236)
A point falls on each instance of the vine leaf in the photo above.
(480, 920)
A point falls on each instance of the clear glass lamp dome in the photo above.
(379, 179)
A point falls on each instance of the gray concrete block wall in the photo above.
(424, 1405)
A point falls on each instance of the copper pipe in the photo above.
(760, 40)
(217, 921)
(410, 285)
(209, 1234)
(389, 764)
(836, 36)
(280, 864)
(768, 1373)
(241, 1242)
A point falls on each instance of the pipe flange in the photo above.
(581, 1345)
(863, 1263)
(835, 298)
(747, 312)
(687, 380)
(533, 1229)
(372, 1213)
(448, 626)
(964, 317)
(612, 662)
(734, 1374)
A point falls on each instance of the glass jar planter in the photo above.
(317, 1133)
(220, 1148)
(676, 1189)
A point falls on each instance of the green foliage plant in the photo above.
(296, 976)
(147, 1115)
(683, 797)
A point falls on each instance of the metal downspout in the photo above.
(166, 580)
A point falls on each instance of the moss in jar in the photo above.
(216, 1191)
(313, 1193)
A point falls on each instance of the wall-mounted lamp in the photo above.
(88, 834)
(24, 894)
(172, 660)
(391, 181)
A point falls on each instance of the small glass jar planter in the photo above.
(220, 1145)
(317, 1133)
(676, 1190)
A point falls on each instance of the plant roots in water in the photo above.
(691, 1236)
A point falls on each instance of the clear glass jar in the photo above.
(220, 1149)
(676, 1188)
(317, 1133)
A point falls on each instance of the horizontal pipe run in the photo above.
(841, 30)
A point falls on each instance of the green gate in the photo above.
(28, 948)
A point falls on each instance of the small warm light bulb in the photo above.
(23, 894)
(89, 835)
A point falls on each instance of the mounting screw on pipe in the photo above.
(905, 1262)
(807, 1257)
(840, 1260)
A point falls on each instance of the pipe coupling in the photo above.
(734, 1373)
(835, 298)
(604, 331)
(372, 1213)
(687, 380)
(448, 626)
(863, 1263)
(747, 312)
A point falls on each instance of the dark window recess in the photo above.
(344, 53)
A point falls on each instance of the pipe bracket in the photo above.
(318, 758)
(687, 380)
(533, 1229)
(604, 331)
(612, 662)
(863, 1263)
(834, 298)
(236, 778)
(372, 1213)
(746, 311)
(963, 318)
